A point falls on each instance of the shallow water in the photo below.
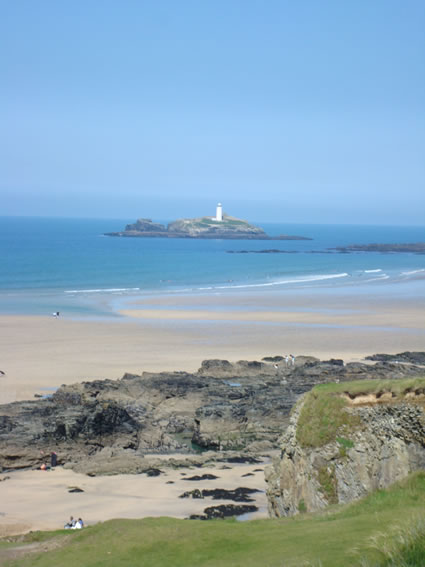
(67, 265)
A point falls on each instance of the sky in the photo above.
(285, 111)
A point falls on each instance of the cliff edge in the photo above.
(346, 440)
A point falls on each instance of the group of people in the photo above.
(74, 524)
(288, 359)
(53, 462)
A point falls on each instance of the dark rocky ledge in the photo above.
(224, 412)
(240, 494)
(409, 357)
(225, 511)
(416, 247)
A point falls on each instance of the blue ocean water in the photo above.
(68, 265)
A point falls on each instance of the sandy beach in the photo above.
(179, 332)
(40, 500)
(175, 333)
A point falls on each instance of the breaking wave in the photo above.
(108, 290)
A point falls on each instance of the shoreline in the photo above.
(176, 333)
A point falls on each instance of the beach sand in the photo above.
(39, 500)
(175, 333)
(179, 332)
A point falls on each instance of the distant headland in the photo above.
(222, 226)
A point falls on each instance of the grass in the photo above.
(324, 418)
(352, 535)
(402, 548)
(207, 222)
(328, 483)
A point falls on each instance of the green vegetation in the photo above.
(328, 484)
(323, 417)
(356, 535)
(344, 445)
(206, 222)
(302, 508)
(402, 548)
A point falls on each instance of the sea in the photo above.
(69, 265)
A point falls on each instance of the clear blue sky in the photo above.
(284, 110)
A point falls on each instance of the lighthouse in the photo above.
(219, 213)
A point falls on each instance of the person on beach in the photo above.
(71, 524)
(292, 359)
(287, 360)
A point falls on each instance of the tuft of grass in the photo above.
(346, 443)
(404, 547)
(302, 508)
(328, 483)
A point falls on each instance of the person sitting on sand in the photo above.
(71, 524)
(79, 524)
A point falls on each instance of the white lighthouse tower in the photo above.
(219, 213)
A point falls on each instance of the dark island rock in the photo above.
(145, 225)
(225, 412)
(269, 251)
(416, 247)
(204, 227)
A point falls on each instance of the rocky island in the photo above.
(222, 226)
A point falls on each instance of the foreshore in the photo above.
(40, 500)
(166, 333)
(178, 332)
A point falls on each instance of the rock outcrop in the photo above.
(414, 247)
(110, 426)
(380, 441)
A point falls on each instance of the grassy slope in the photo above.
(339, 537)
